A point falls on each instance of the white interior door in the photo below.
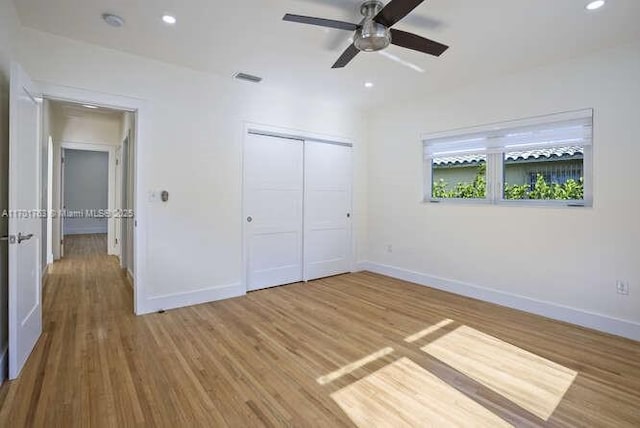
(273, 197)
(25, 305)
(327, 209)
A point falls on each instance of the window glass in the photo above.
(555, 173)
(460, 177)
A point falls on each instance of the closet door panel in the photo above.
(273, 211)
(327, 209)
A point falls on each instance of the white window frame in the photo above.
(495, 162)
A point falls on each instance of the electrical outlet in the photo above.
(389, 248)
(622, 287)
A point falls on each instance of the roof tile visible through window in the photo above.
(546, 153)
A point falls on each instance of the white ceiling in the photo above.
(487, 38)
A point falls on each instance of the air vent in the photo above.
(247, 77)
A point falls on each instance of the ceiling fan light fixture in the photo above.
(372, 37)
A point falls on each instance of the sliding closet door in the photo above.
(273, 198)
(327, 209)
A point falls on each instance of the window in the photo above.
(538, 161)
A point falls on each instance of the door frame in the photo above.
(112, 204)
(141, 140)
(124, 202)
(295, 134)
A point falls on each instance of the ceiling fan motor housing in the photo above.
(372, 36)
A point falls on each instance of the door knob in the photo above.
(249, 219)
(22, 237)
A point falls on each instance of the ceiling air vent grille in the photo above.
(247, 77)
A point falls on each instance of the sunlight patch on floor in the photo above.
(323, 380)
(403, 394)
(532, 382)
(427, 331)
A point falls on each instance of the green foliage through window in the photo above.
(570, 190)
(477, 189)
(541, 190)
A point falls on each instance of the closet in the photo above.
(297, 210)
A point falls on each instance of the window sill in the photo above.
(512, 203)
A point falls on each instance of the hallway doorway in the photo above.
(85, 197)
(89, 186)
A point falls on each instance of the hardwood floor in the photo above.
(313, 354)
(81, 246)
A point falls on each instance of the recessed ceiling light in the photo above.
(113, 20)
(168, 19)
(597, 4)
(89, 106)
(368, 84)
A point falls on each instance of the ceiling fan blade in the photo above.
(395, 11)
(346, 56)
(321, 22)
(417, 43)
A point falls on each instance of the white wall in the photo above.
(8, 32)
(86, 185)
(565, 257)
(194, 150)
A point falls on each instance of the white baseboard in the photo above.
(190, 298)
(604, 323)
(4, 364)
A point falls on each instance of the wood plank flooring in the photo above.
(83, 246)
(282, 356)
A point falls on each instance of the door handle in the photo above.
(22, 237)
(249, 219)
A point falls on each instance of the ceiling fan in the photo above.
(375, 32)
